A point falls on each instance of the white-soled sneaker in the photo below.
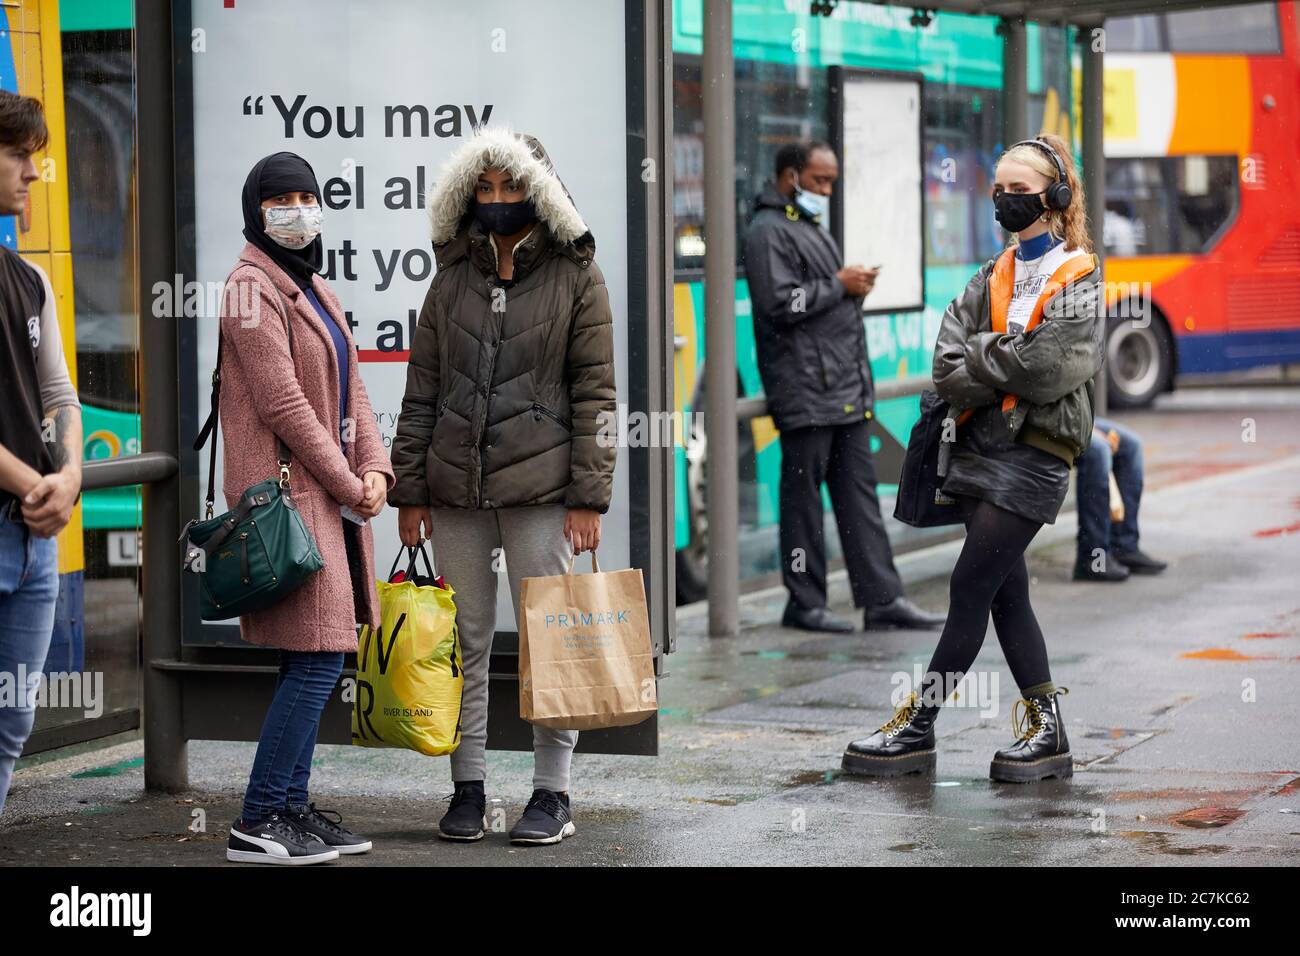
(329, 831)
(276, 840)
(546, 819)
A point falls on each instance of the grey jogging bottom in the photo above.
(467, 546)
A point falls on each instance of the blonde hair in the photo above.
(1070, 223)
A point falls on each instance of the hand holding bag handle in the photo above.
(413, 554)
(595, 568)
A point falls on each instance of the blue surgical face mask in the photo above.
(813, 204)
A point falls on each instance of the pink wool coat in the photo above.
(264, 394)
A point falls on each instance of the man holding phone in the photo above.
(812, 357)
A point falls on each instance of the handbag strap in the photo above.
(211, 426)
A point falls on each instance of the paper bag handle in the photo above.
(595, 568)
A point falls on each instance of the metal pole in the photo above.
(165, 750)
(720, 319)
(1092, 47)
(1015, 88)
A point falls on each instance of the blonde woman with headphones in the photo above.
(1015, 360)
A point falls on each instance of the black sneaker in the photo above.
(546, 819)
(464, 818)
(330, 832)
(276, 840)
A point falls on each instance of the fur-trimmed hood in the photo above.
(521, 155)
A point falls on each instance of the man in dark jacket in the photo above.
(812, 356)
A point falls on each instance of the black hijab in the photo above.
(271, 176)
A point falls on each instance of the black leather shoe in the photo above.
(1042, 749)
(464, 818)
(1112, 570)
(903, 745)
(1139, 562)
(814, 619)
(900, 613)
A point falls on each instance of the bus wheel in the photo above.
(1139, 358)
(693, 560)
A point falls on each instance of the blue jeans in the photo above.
(29, 589)
(1096, 530)
(283, 763)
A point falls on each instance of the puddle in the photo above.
(806, 778)
(910, 847)
(1157, 841)
(715, 801)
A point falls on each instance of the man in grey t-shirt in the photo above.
(40, 445)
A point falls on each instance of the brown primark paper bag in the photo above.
(585, 655)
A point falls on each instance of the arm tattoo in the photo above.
(65, 448)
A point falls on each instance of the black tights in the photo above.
(990, 575)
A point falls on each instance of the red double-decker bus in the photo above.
(1202, 222)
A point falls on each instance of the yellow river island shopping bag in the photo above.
(409, 673)
(585, 655)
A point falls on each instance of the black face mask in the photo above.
(505, 218)
(1017, 211)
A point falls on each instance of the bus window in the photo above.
(1141, 34)
(776, 103)
(962, 135)
(1249, 28)
(1162, 206)
(1138, 220)
(1205, 198)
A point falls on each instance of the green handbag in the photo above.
(253, 555)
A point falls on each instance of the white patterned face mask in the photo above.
(293, 227)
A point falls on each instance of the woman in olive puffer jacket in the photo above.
(499, 444)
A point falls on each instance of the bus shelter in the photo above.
(376, 118)
(207, 105)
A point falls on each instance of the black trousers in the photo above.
(839, 456)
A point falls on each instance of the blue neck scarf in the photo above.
(1035, 247)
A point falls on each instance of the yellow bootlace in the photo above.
(1026, 719)
(1027, 716)
(903, 715)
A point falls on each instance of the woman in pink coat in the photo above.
(314, 400)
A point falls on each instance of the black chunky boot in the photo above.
(903, 745)
(464, 818)
(1042, 749)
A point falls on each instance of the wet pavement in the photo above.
(1181, 714)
